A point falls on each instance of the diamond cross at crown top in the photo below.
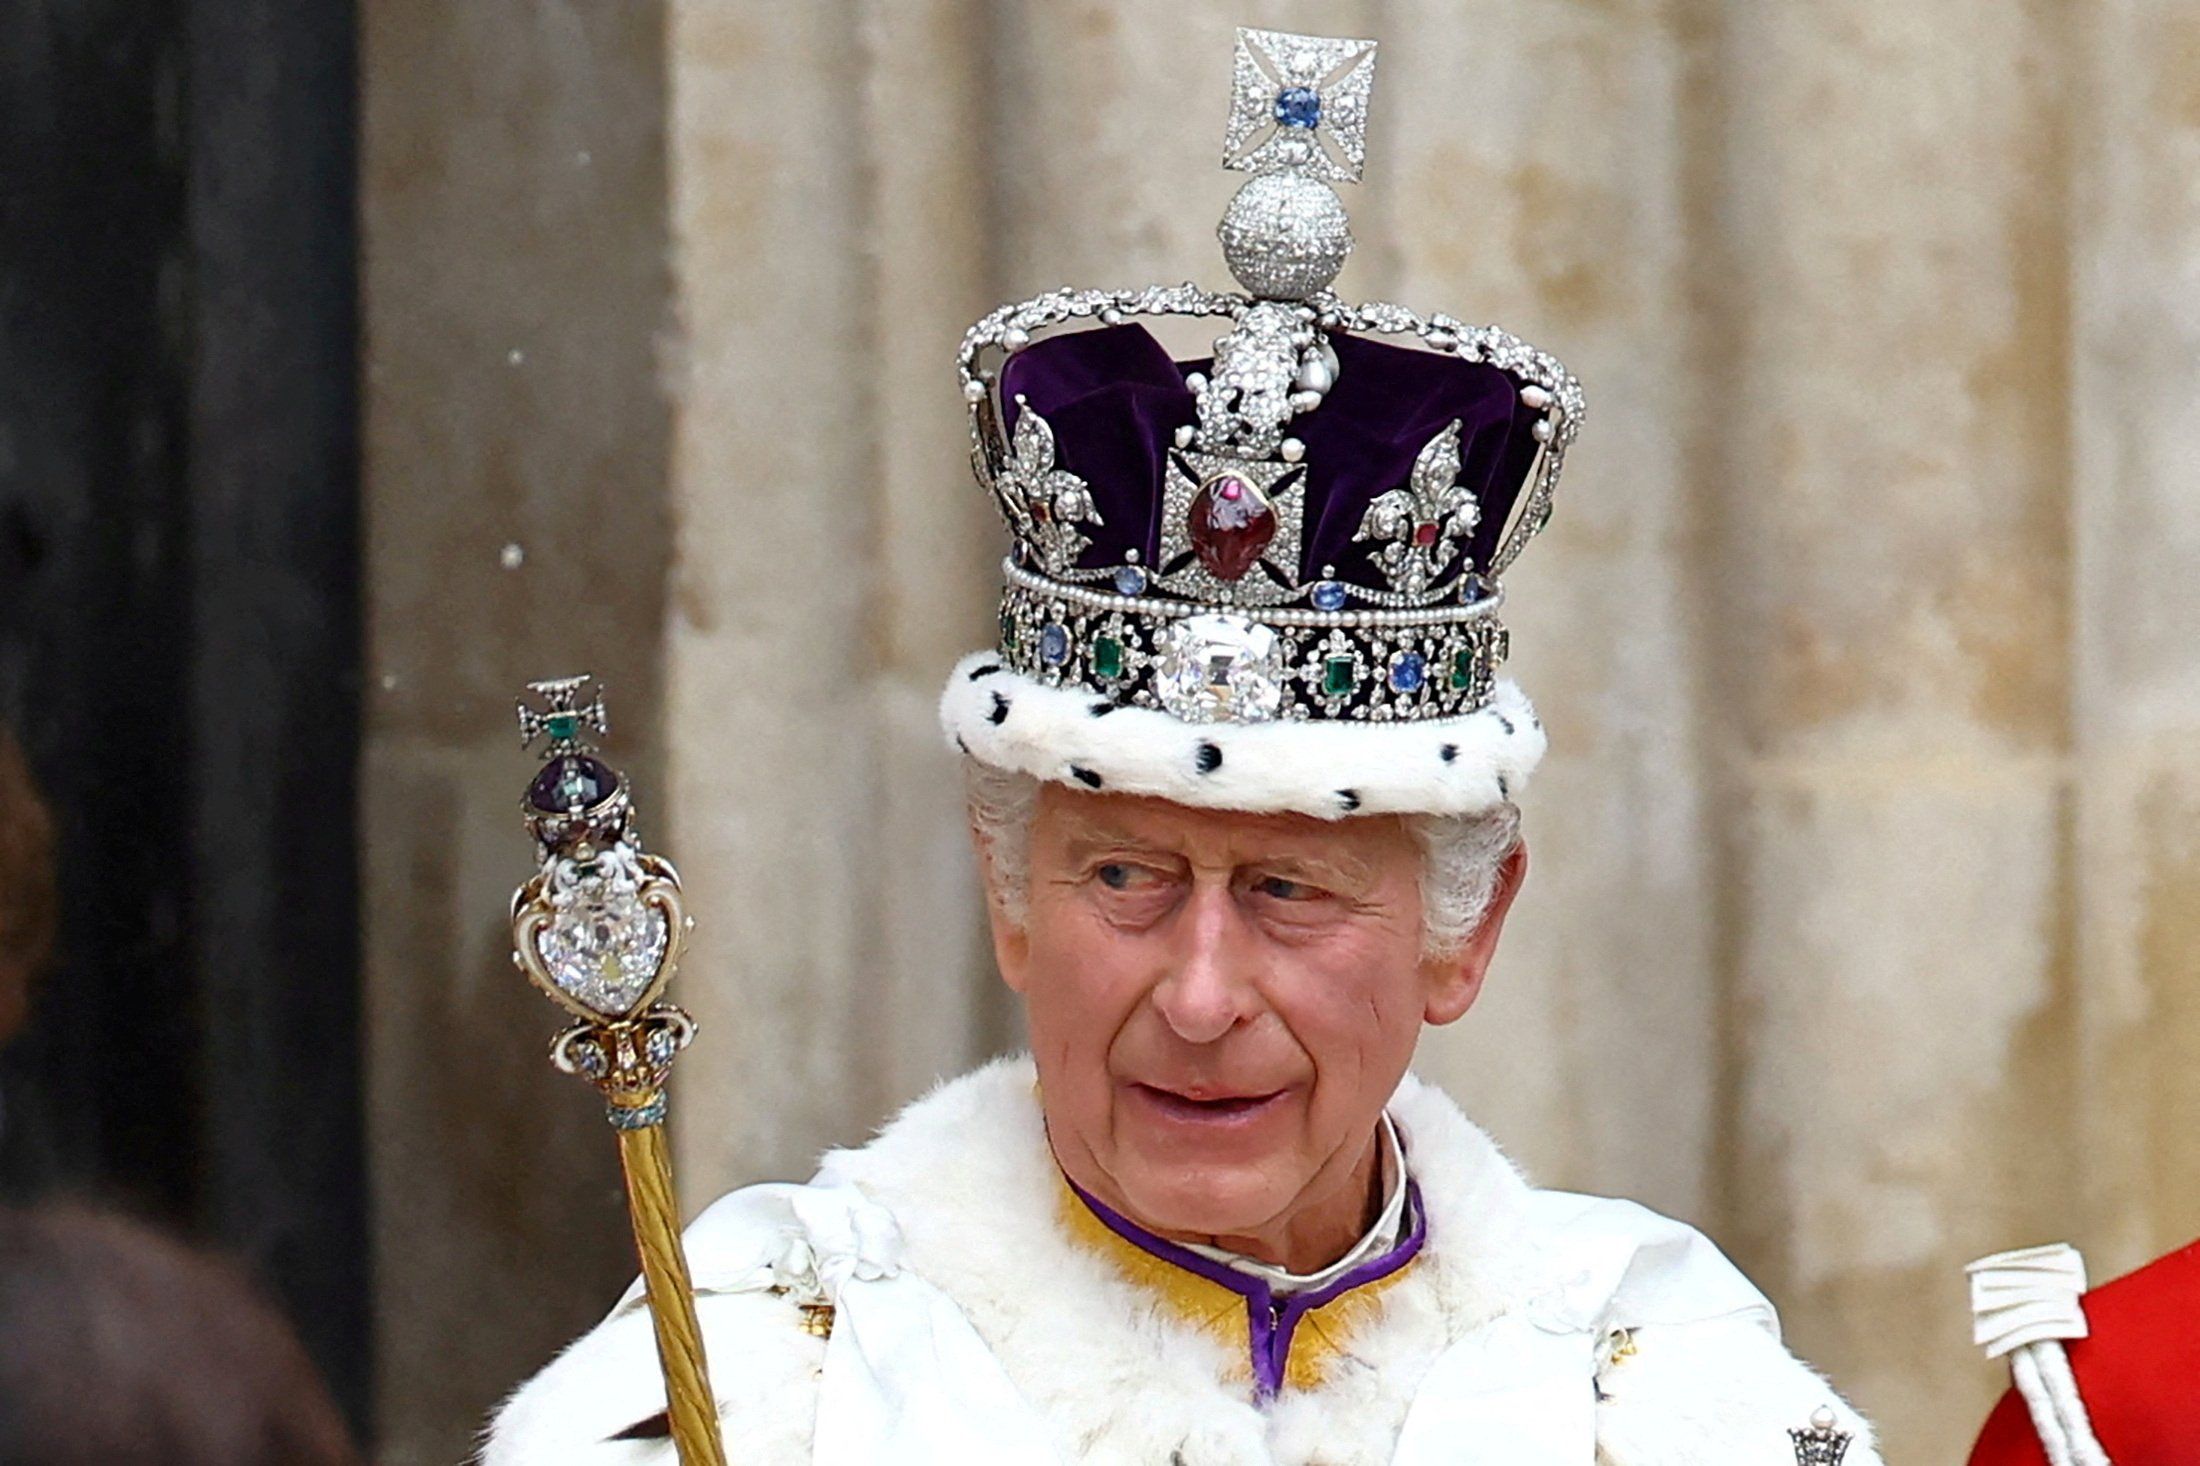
(1299, 102)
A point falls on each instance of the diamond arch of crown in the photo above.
(1546, 386)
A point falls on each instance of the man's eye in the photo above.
(1116, 876)
(1280, 889)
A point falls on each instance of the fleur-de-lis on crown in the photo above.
(1044, 501)
(1424, 521)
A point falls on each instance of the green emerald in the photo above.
(563, 726)
(1107, 656)
(1337, 677)
(1462, 670)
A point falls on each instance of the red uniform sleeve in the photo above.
(2138, 1373)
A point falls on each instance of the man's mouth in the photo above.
(1195, 1102)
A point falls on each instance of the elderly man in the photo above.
(1242, 778)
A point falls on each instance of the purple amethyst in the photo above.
(572, 781)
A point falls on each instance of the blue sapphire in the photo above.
(1054, 645)
(1406, 673)
(1328, 596)
(1130, 581)
(1298, 107)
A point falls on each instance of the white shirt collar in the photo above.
(1387, 1232)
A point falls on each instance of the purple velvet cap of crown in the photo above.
(1115, 400)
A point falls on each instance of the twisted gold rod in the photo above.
(689, 1405)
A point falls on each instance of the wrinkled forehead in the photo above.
(1073, 820)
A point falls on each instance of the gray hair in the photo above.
(1460, 854)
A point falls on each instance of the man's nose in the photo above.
(1210, 989)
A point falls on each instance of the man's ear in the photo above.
(1455, 979)
(1011, 945)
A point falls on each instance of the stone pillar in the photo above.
(2135, 463)
(512, 214)
(1536, 183)
(928, 101)
(830, 564)
(1887, 613)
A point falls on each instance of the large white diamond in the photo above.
(603, 944)
(1219, 669)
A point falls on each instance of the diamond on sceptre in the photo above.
(604, 942)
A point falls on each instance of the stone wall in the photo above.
(516, 289)
(1863, 881)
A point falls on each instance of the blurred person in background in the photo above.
(120, 1346)
(28, 898)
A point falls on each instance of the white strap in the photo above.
(2024, 1304)
(2050, 1391)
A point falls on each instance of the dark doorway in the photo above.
(179, 625)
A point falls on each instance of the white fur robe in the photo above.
(971, 1326)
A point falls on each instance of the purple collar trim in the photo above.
(1271, 1319)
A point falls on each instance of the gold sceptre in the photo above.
(599, 929)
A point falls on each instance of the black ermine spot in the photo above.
(1448, 753)
(980, 673)
(1085, 777)
(1349, 798)
(999, 715)
(1210, 758)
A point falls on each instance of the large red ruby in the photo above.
(1230, 524)
(1424, 534)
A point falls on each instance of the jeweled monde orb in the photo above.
(1285, 235)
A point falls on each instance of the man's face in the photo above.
(1220, 1004)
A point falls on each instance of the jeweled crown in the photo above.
(1311, 524)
